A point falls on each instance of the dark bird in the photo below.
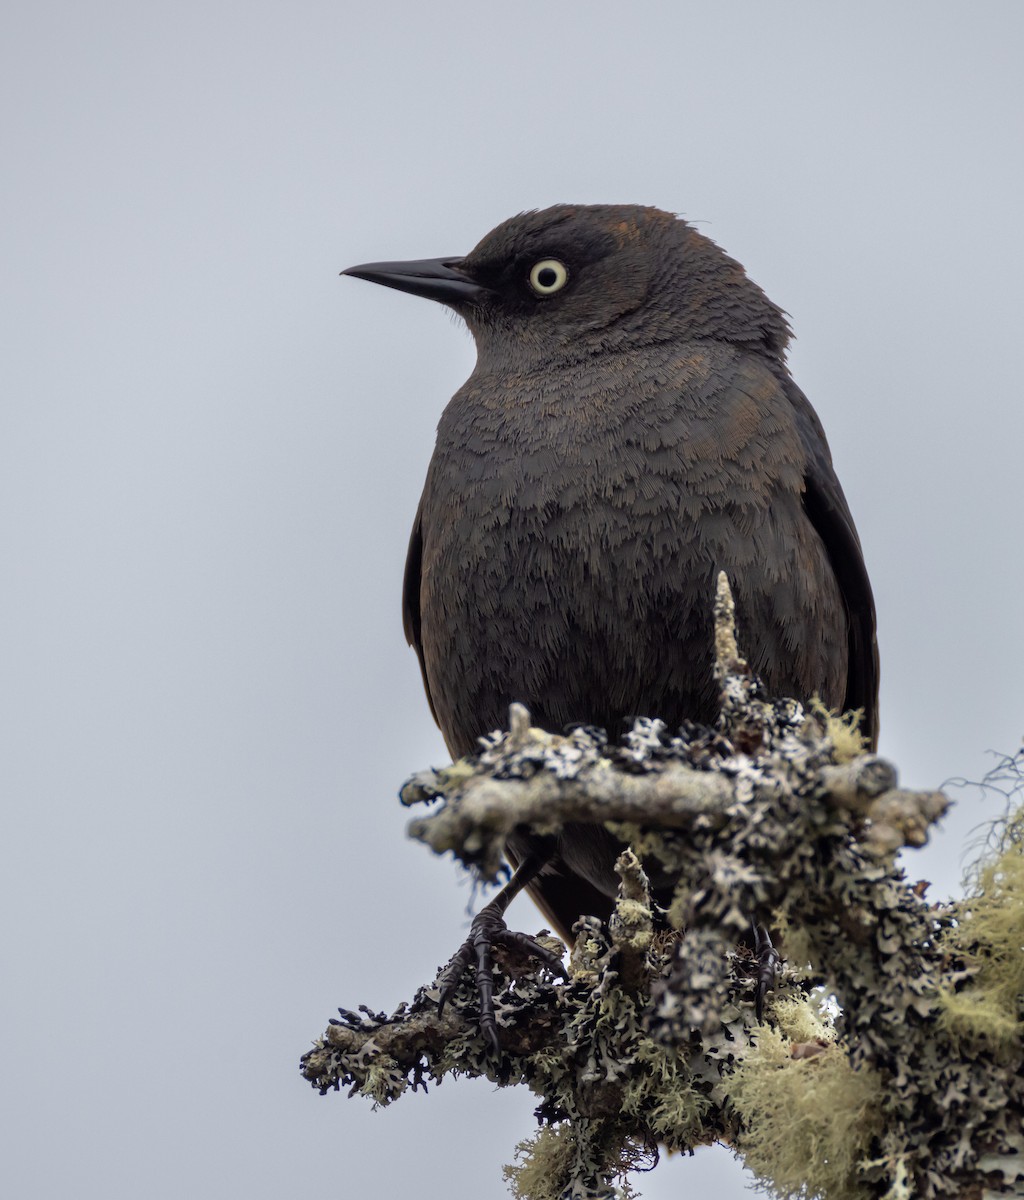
(630, 429)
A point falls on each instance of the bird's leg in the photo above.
(769, 967)
(489, 930)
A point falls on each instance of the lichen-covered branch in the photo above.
(889, 1063)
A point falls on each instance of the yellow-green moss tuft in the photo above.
(665, 1097)
(808, 1122)
(385, 1080)
(545, 1164)
(542, 1164)
(842, 730)
(990, 935)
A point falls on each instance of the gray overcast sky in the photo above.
(213, 448)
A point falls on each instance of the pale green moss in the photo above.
(546, 1161)
(542, 1164)
(385, 1080)
(808, 1121)
(989, 933)
(842, 730)
(664, 1096)
(977, 1013)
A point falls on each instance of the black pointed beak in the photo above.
(436, 278)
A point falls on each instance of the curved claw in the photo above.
(487, 931)
(769, 968)
(449, 977)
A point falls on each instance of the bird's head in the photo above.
(575, 280)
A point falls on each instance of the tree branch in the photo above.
(890, 1061)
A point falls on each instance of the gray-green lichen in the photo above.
(889, 1063)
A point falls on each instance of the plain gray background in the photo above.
(213, 448)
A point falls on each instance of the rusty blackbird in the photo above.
(630, 429)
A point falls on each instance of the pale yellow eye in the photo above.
(548, 276)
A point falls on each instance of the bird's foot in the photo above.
(769, 967)
(488, 932)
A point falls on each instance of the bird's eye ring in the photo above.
(548, 276)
